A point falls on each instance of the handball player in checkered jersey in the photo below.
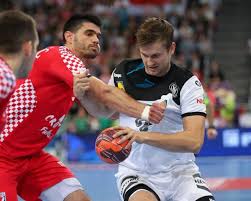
(38, 106)
(161, 165)
(18, 41)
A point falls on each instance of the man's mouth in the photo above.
(153, 67)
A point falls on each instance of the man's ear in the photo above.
(173, 47)
(27, 48)
(68, 35)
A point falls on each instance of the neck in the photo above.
(167, 70)
(74, 52)
(13, 60)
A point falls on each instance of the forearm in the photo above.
(116, 99)
(178, 142)
(94, 107)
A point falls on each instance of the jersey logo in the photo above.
(120, 85)
(2, 196)
(54, 123)
(174, 89)
(200, 101)
(142, 124)
(200, 183)
(197, 82)
(117, 75)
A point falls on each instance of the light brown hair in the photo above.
(155, 29)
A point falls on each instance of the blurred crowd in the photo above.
(195, 23)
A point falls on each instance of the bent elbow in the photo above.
(196, 148)
(195, 141)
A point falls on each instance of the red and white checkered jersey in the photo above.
(7, 86)
(38, 106)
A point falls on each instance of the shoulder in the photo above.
(128, 64)
(47, 53)
(181, 74)
(6, 72)
(7, 80)
(71, 61)
(61, 55)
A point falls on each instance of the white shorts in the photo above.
(61, 190)
(183, 183)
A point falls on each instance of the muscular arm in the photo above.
(94, 106)
(189, 140)
(113, 99)
(101, 99)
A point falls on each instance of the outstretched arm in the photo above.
(189, 140)
(101, 99)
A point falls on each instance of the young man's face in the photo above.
(156, 57)
(86, 40)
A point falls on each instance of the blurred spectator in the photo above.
(225, 105)
(81, 122)
(215, 74)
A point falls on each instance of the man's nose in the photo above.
(149, 61)
(96, 39)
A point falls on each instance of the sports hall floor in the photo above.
(229, 178)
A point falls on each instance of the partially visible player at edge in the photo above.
(161, 165)
(37, 109)
(18, 41)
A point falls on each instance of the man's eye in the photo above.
(155, 56)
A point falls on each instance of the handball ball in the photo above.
(108, 148)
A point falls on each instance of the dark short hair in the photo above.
(16, 28)
(75, 22)
(154, 29)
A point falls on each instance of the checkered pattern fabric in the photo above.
(73, 63)
(7, 80)
(21, 104)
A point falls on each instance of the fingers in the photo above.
(117, 127)
(212, 133)
(124, 135)
(82, 73)
(81, 84)
(162, 105)
(124, 131)
(129, 143)
(80, 88)
(156, 113)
